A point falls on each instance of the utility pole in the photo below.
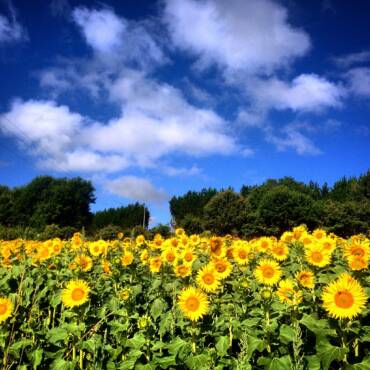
(144, 216)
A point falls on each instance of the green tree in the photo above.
(225, 213)
(125, 217)
(281, 208)
(192, 203)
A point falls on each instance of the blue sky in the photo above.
(149, 99)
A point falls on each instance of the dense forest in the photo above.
(58, 207)
(48, 206)
(276, 206)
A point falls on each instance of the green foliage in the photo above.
(125, 217)
(46, 200)
(225, 213)
(161, 229)
(277, 205)
(192, 203)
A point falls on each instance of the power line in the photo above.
(28, 141)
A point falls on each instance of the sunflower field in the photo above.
(186, 302)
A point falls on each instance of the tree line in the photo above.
(276, 206)
(58, 207)
(50, 207)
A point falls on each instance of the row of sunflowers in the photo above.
(186, 302)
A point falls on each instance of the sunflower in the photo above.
(319, 233)
(306, 279)
(194, 239)
(207, 279)
(44, 252)
(193, 303)
(317, 256)
(6, 308)
(286, 237)
(287, 293)
(241, 253)
(183, 270)
(179, 231)
(216, 245)
(157, 241)
(169, 256)
(306, 239)
(125, 294)
(155, 264)
(144, 256)
(264, 244)
(188, 256)
(328, 244)
(95, 249)
(344, 298)
(140, 240)
(76, 293)
(357, 249)
(127, 259)
(84, 262)
(280, 251)
(267, 272)
(298, 231)
(223, 267)
(106, 267)
(357, 263)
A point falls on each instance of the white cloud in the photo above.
(136, 188)
(253, 36)
(359, 81)
(43, 123)
(306, 92)
(251, 118)
(247, 152)
(117, 43)
(116, 39)
(156, 121)
(53, 134)
(102, 29)
(345, 61)
(293, 138)
(11, 30)
(181, 171)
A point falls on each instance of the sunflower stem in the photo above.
(193, 342)
(267, 318)
(343, 337)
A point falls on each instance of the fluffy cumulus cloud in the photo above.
(136, 188)
(54, 134)
(306, 92)
(10, 30)
(117, 40)
(253, 36)
(156, 121)
(102, 29)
